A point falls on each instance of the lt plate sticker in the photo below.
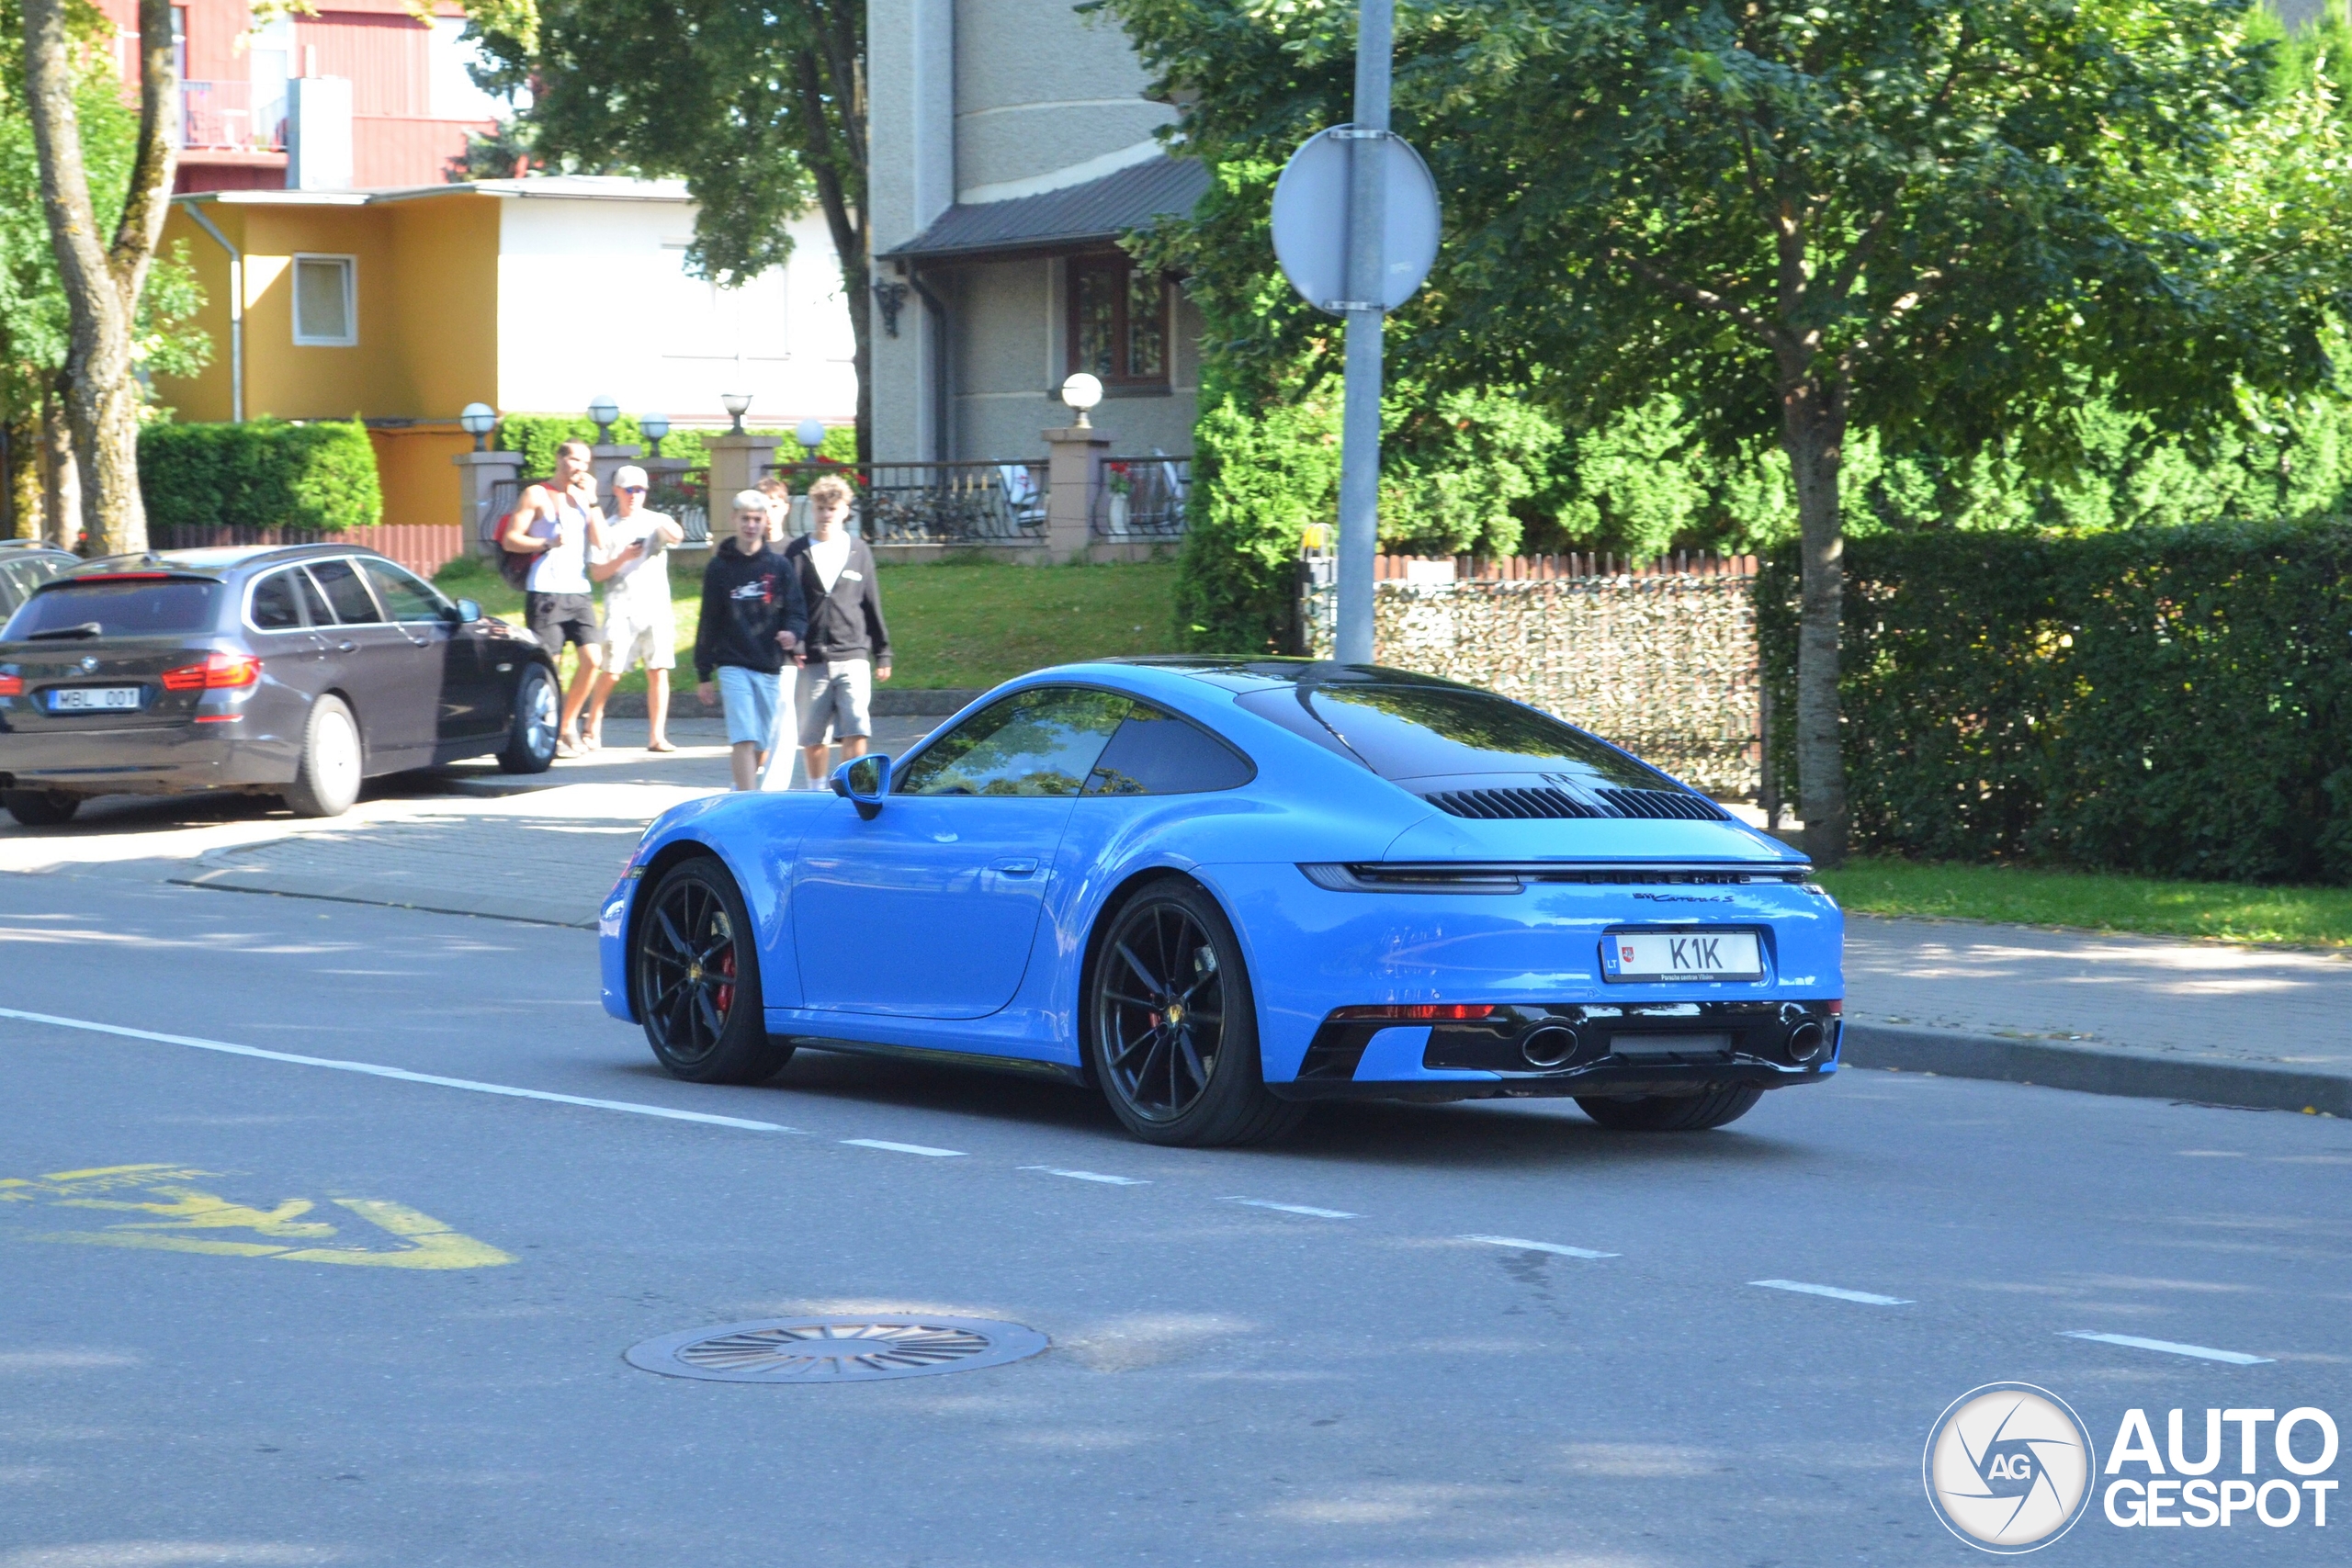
(1682, 955)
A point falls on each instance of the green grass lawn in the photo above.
(2317, 917)
(955, 624)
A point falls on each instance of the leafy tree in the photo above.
(761, 108)
(35, 321)
(103, 279)
(1949, 222)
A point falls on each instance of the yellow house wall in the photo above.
(443, 284)
(292, 382)
(419, 484)
(204, 396)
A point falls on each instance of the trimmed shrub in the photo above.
(537, 436)
(1259, 479)
(266, 473)
(2175, 701)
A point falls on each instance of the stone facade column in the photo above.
(1072, 466)
(478, 473)
(737, 462)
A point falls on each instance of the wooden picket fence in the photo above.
(422, 547)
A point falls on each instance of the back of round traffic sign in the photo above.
(1311, 218)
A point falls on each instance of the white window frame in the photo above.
(350, 300)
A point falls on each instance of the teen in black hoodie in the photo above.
(753, 618)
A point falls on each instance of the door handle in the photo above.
(346, 647)
(1013, 867)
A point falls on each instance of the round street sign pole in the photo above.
(1356, 230)
(1360, 427)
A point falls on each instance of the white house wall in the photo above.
(595, 298)
(1039, 91)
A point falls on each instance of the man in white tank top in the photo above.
(561, 522)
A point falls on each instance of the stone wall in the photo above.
(1662, 663)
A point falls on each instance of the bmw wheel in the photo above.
(326, 781)
(531, 729)
(40, 808)
(698, 979)
(1673, 1114)
(1172, 1025)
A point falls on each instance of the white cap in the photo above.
(628, 474)
(751, 501)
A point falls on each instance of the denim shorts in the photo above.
(749, 698)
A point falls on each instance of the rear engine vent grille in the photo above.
(1511, 803)
(1661, 802)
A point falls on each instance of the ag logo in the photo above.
(2008, 1467)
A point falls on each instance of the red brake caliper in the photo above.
(726, 994)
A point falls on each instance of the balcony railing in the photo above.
(932, 503)
(1140, 498)
(220, 117)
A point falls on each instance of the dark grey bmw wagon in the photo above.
(292, 672)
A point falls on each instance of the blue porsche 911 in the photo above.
(1222, 890)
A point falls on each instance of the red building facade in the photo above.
(413, 104)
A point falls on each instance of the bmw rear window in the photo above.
(1422, 731)
(167, 608)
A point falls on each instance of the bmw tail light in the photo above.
(12, 685)
(219, 671)
(1418, 1013)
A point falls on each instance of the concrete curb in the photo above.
(2097, 1069)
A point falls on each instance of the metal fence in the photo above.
(221, 116)
(930, 503)
(1140, 498)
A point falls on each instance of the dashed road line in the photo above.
(1835, 1292)
(1292, 1209)
(2202, 1352)
(1090, 1176)
(401, 1074)
(1523, 1245)
(887, 1145)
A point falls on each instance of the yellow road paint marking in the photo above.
(421, 1241)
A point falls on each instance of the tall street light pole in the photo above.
(1360, 427)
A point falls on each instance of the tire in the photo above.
(698, 979)
(1673, 1114)
(1171, 1024)
(531, 728)
(40, 808)
(332, 762)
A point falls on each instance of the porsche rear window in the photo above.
(115, 609)
(1408, 732)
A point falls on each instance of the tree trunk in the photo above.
(102, 284)
(1812, 433)
(61, 489)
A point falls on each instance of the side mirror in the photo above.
(863, 781)
(467, 612)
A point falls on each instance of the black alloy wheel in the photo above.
(40, 808)
(697, 978)
(1172, 1026)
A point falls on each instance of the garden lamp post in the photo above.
(478, 420)
(736, 404)
(654, 426)
(604, 410)
(811, 433)
(1081, 392)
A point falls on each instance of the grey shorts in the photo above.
(839, 695)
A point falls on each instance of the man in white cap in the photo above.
(638, 626)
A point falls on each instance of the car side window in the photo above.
(314, 603)
(15, 585)
(277, 603)
(354, 606)
(408, 598)
(1039, 742)
(1158, 754)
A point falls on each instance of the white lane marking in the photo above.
(903, 1149)
(401, 1074)
(1292, 1209)
(1834, 1293)
(2202, 1352)
(1091, 1175)
(1525, 1245)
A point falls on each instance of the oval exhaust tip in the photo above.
(1549, 1046)
(1805, 1042)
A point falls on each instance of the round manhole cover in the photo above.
(836, 1349)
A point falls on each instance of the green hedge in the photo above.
(1260, 478)
(2175, 702)
(537, 436)
(264, 473)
